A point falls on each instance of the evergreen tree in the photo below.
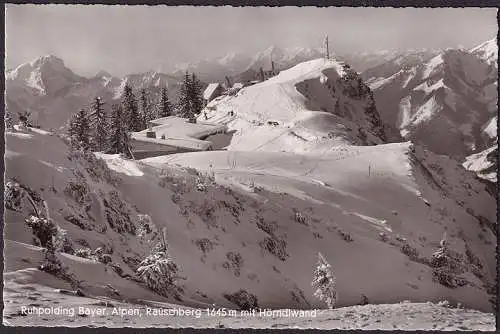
(119, 138)
(440, 257)
(9, 123)
(196, 96)
(72, 130)
(130, 109)
(24, 118)
(447, 266)
(190, 97)
(164, 107)
(79, 130)
(145, 110)
(261, 72)
(160, 272)
(99, 124)
(184, 103)
(324, 283)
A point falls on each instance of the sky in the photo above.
(132, 39)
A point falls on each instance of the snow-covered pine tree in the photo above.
(448, 266)
(145, 109)
(13, 196)
(79, 130)
(99, 124)
(119, 139)
(324, 283)
(159, 271)
(71, 130)
(24, 118)
(196, 96)
(440, 257)
(184, 101)
(131, 109)
(164, 107)
(9, 123)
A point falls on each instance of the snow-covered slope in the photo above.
(351, 200)
(311, 107)
(488, 51)
(43, 76)
(260, 227)
(377, 75)
(484, 163)
(444, 103)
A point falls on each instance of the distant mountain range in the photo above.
(52, 92)
(241, 67)
(445, 100)
(455, 90)
(448, 101)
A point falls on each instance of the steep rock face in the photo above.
(444, 103)
(351, 98)
(308, 108)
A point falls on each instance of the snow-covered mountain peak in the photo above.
(488, 51)
(308, 70)
(231, 58)
(47, 60)
(455, 89)
(43, 75)
(311, 107)
(103, 74)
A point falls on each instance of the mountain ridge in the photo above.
(454, 90)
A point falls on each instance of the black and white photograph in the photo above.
(250, 167)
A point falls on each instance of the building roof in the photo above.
(210, 90)
(238, 85)
(186, 143)
(179, 132)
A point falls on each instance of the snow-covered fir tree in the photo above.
(79, 130)
(160, 272)
(164, 108)
(119, 137)
(13, 196)
(447, 266)
(131, 109)
(190, 97)
(196, 95)
(145, 109)
(99, 124)
(184, 101)
(440, 257)
(324, 283)
(9, 123)
(24, 118)
(43, 229)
